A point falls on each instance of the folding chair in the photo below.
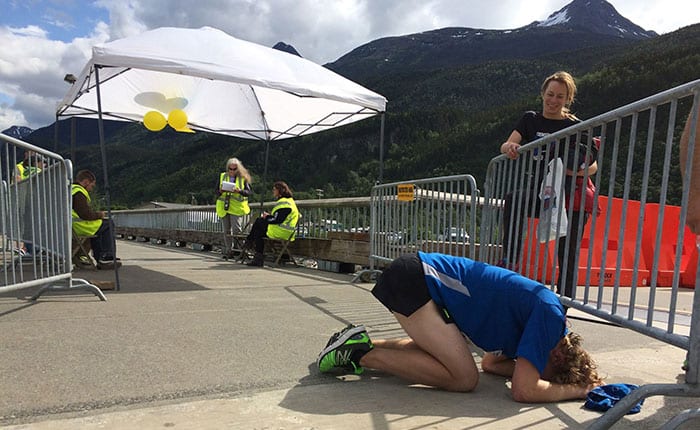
(280, 248)
(237, 241)
(276, 248)
(80, 252)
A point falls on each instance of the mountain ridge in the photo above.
(598, 16)
(578, 25)
(439, 122)
(18, 132)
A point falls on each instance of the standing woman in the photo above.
(558, 92)
(232, 200)
(281, 223)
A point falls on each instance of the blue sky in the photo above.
(42, 40)
(62, 20)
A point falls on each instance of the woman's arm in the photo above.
(219, 191)
(591, 170)
(278, 216)
(246, 191)
(587, 153)
(510, 146)
(693, 217)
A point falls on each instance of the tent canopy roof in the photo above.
(223, 84)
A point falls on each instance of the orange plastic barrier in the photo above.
(667, 253)
(628, 240)
(669, 239)
(538, 269)
(608, 271)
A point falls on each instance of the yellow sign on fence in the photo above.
(405, 192)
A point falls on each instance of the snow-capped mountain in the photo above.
(18, 132)
(581, 24)
(597, 16)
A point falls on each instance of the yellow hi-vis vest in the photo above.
(288, 226)
(80, 226)
(26, 172)
(237, 203)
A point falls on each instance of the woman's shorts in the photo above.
(401, 287)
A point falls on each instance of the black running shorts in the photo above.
(401, 287)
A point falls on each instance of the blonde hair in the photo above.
(242, 171)
(571, 364)
(567, 80)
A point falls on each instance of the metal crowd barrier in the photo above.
(35, 226)
(318, 218)
(194, 219)
(635, 257)
(431, 215)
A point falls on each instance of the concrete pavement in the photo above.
(192, 341)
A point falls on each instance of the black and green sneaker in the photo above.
(344, 349)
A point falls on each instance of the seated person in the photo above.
(279, 224)
(88, 222)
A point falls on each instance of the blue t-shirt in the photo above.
(501, 311)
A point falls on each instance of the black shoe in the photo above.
(257, 261)
(109, 259)
(108, 265)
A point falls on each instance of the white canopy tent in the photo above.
(224, 85)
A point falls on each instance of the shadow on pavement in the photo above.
(390, 401)
(133, 279)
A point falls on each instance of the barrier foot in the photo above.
(366, 275)
(687, 415)
(75, 284)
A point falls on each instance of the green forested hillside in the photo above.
(443, 122)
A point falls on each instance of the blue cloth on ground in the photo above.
(606, 396)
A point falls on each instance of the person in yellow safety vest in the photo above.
(88, 222)
(233, 189)
(30, 165)
(281, 223)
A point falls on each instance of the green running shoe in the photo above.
(340, 348)
(334, 338)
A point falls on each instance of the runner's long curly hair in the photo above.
(572, 364)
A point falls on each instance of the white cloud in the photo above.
(123, 17)
(10, 116)
(659, 16)
(32, 65)
(32, 68)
